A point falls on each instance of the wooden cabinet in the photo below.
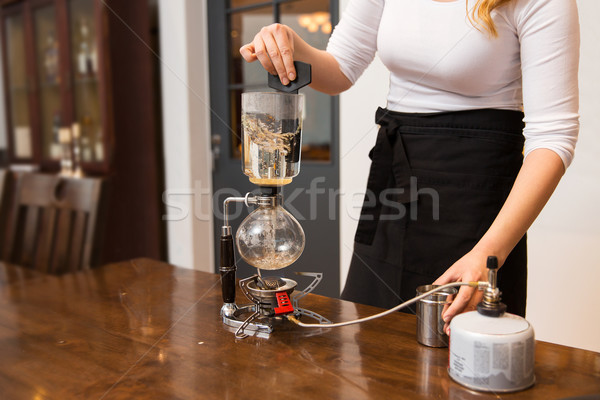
(94, 62)
(55, 72)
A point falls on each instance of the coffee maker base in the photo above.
(253, 323)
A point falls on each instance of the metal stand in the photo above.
(255, 319)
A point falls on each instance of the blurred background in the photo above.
(155, 86)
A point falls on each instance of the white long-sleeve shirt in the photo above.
(440, 62)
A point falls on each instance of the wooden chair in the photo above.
(52, 223)
(3, 173)
(5, 180)
(4, 177)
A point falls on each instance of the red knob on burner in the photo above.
(284, 303)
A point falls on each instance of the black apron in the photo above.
(436, 184)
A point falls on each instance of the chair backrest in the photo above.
(6, 189)
(4, 177)
(3, 173)
(52, 223)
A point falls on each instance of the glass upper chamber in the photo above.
(270, 238)
(271, 136)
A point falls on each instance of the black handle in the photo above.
(303, 78)
(227, 269)
(492, 262)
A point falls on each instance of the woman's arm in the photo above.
(537, 179)
(548, 33)
(350, 50)
(277, 46)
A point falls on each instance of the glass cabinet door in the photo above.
(312, 21)
(244, 76)
(18, 87)
(48, 71)
(84, 59)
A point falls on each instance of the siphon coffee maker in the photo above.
(269, 238)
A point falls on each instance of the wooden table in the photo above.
(147, 330)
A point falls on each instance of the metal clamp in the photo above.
(317, 277)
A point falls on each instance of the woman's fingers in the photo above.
(462, 299)
(285, 43)
(466, 300)
(274, 53)
(248, 53)
(273, 46)
(262, 53)
(470, 267)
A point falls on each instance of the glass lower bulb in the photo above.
(270, 238)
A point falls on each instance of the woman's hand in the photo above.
(273, 46)
(471, 267)
(277, 46)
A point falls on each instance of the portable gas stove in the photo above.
(272, 300)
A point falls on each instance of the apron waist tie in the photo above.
(389, 162)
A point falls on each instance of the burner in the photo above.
(273, 284)
(269, 305)
(270, 283)
(266, 300)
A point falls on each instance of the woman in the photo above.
(481, 123)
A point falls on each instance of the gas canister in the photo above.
(491, 350)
